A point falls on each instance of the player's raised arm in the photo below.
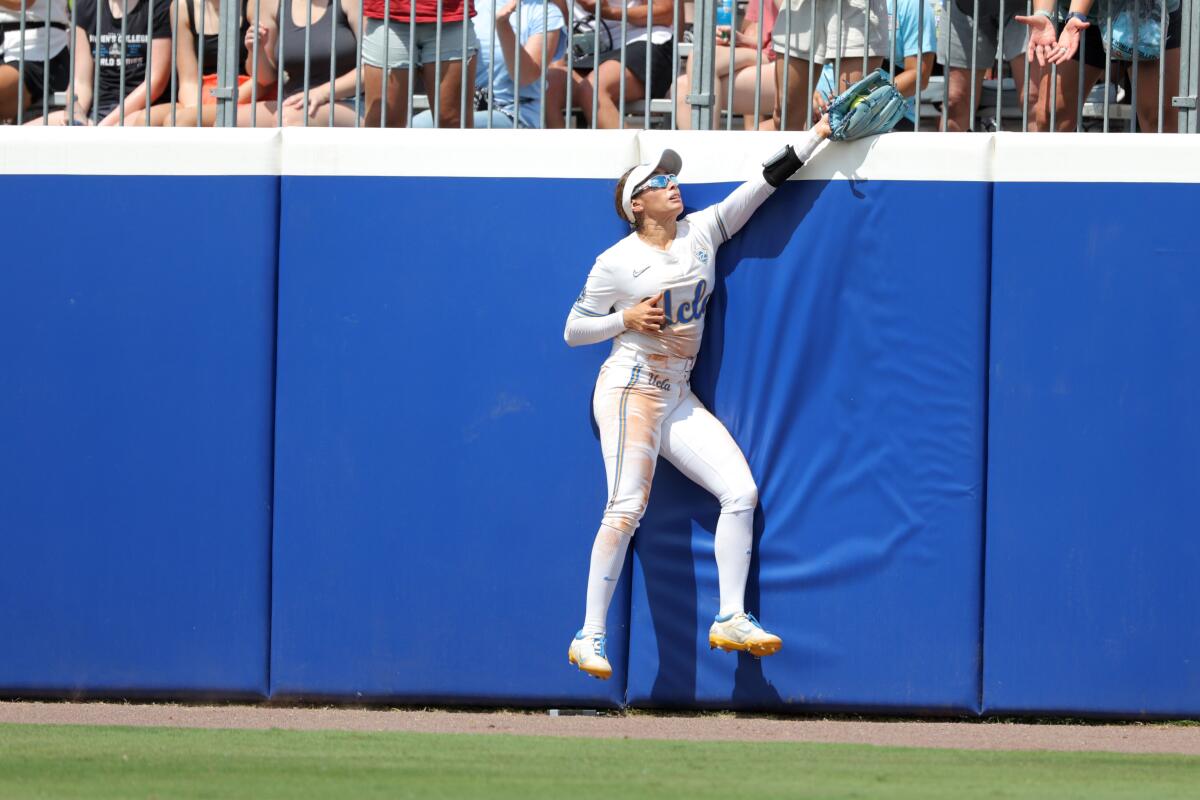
(734, 211)
(871, 106)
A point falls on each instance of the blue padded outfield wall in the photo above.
(379, 480)
(853, 380)
(1093, 530)
(138, 318)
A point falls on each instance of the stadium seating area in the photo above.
(47, 79)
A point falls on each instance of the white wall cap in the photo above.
(458, 153)
(736, 155)
(56, 150)
(1098, 157)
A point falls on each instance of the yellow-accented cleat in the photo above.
(742, 632)
(587, 653)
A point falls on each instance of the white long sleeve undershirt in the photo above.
(583, 330)
(735, 210)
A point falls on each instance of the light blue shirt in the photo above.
(908, 43)
(532, 24)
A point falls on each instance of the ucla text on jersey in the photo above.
(688, 310)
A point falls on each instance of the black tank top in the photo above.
(209, 42)
(319, 46)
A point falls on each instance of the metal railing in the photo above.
(753, 64)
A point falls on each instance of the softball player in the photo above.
(649, 293)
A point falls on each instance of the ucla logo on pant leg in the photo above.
(658, 381)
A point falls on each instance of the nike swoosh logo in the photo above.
(638, 272)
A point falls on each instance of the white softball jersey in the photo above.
(631, 271)
(643, 402)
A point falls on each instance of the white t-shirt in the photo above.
(35, 32)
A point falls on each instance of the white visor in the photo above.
(668, 159)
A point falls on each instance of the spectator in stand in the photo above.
(912, 42)
(795, 36)
(954, 52)
(455, 70)
(501, 37)
(746, 72)
(1048, 46)
(44, 19)
(196, 73)
(323, 89)
(582, 40)
(605, 83)
(100, 104)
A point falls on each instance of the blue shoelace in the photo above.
(599, 642)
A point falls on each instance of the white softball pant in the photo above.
(647, 409)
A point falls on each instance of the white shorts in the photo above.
(809, 28)
(647, 409)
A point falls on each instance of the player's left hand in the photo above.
(870, 106)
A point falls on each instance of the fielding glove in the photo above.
(870, 106)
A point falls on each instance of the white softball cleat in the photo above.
(742, 632)
(587, 652)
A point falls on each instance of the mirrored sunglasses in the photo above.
(657, 182)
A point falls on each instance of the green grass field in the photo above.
(99, 762)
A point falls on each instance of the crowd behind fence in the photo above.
(1030, 65)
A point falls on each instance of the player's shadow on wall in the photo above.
(681, 516)
(680, 618)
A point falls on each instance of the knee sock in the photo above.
(608, 556)
(734, 539)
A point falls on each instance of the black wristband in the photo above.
(781, 166)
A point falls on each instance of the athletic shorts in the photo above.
(35, 77)
(955, 30)
(661, 74)
(424, 40)
(794, 32)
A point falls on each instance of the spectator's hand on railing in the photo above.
(820, 104)
(646, 316)
(1043, 38)
(1068, 40)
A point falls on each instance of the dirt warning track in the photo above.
(1123, 738)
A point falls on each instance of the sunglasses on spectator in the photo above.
(657, 182)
